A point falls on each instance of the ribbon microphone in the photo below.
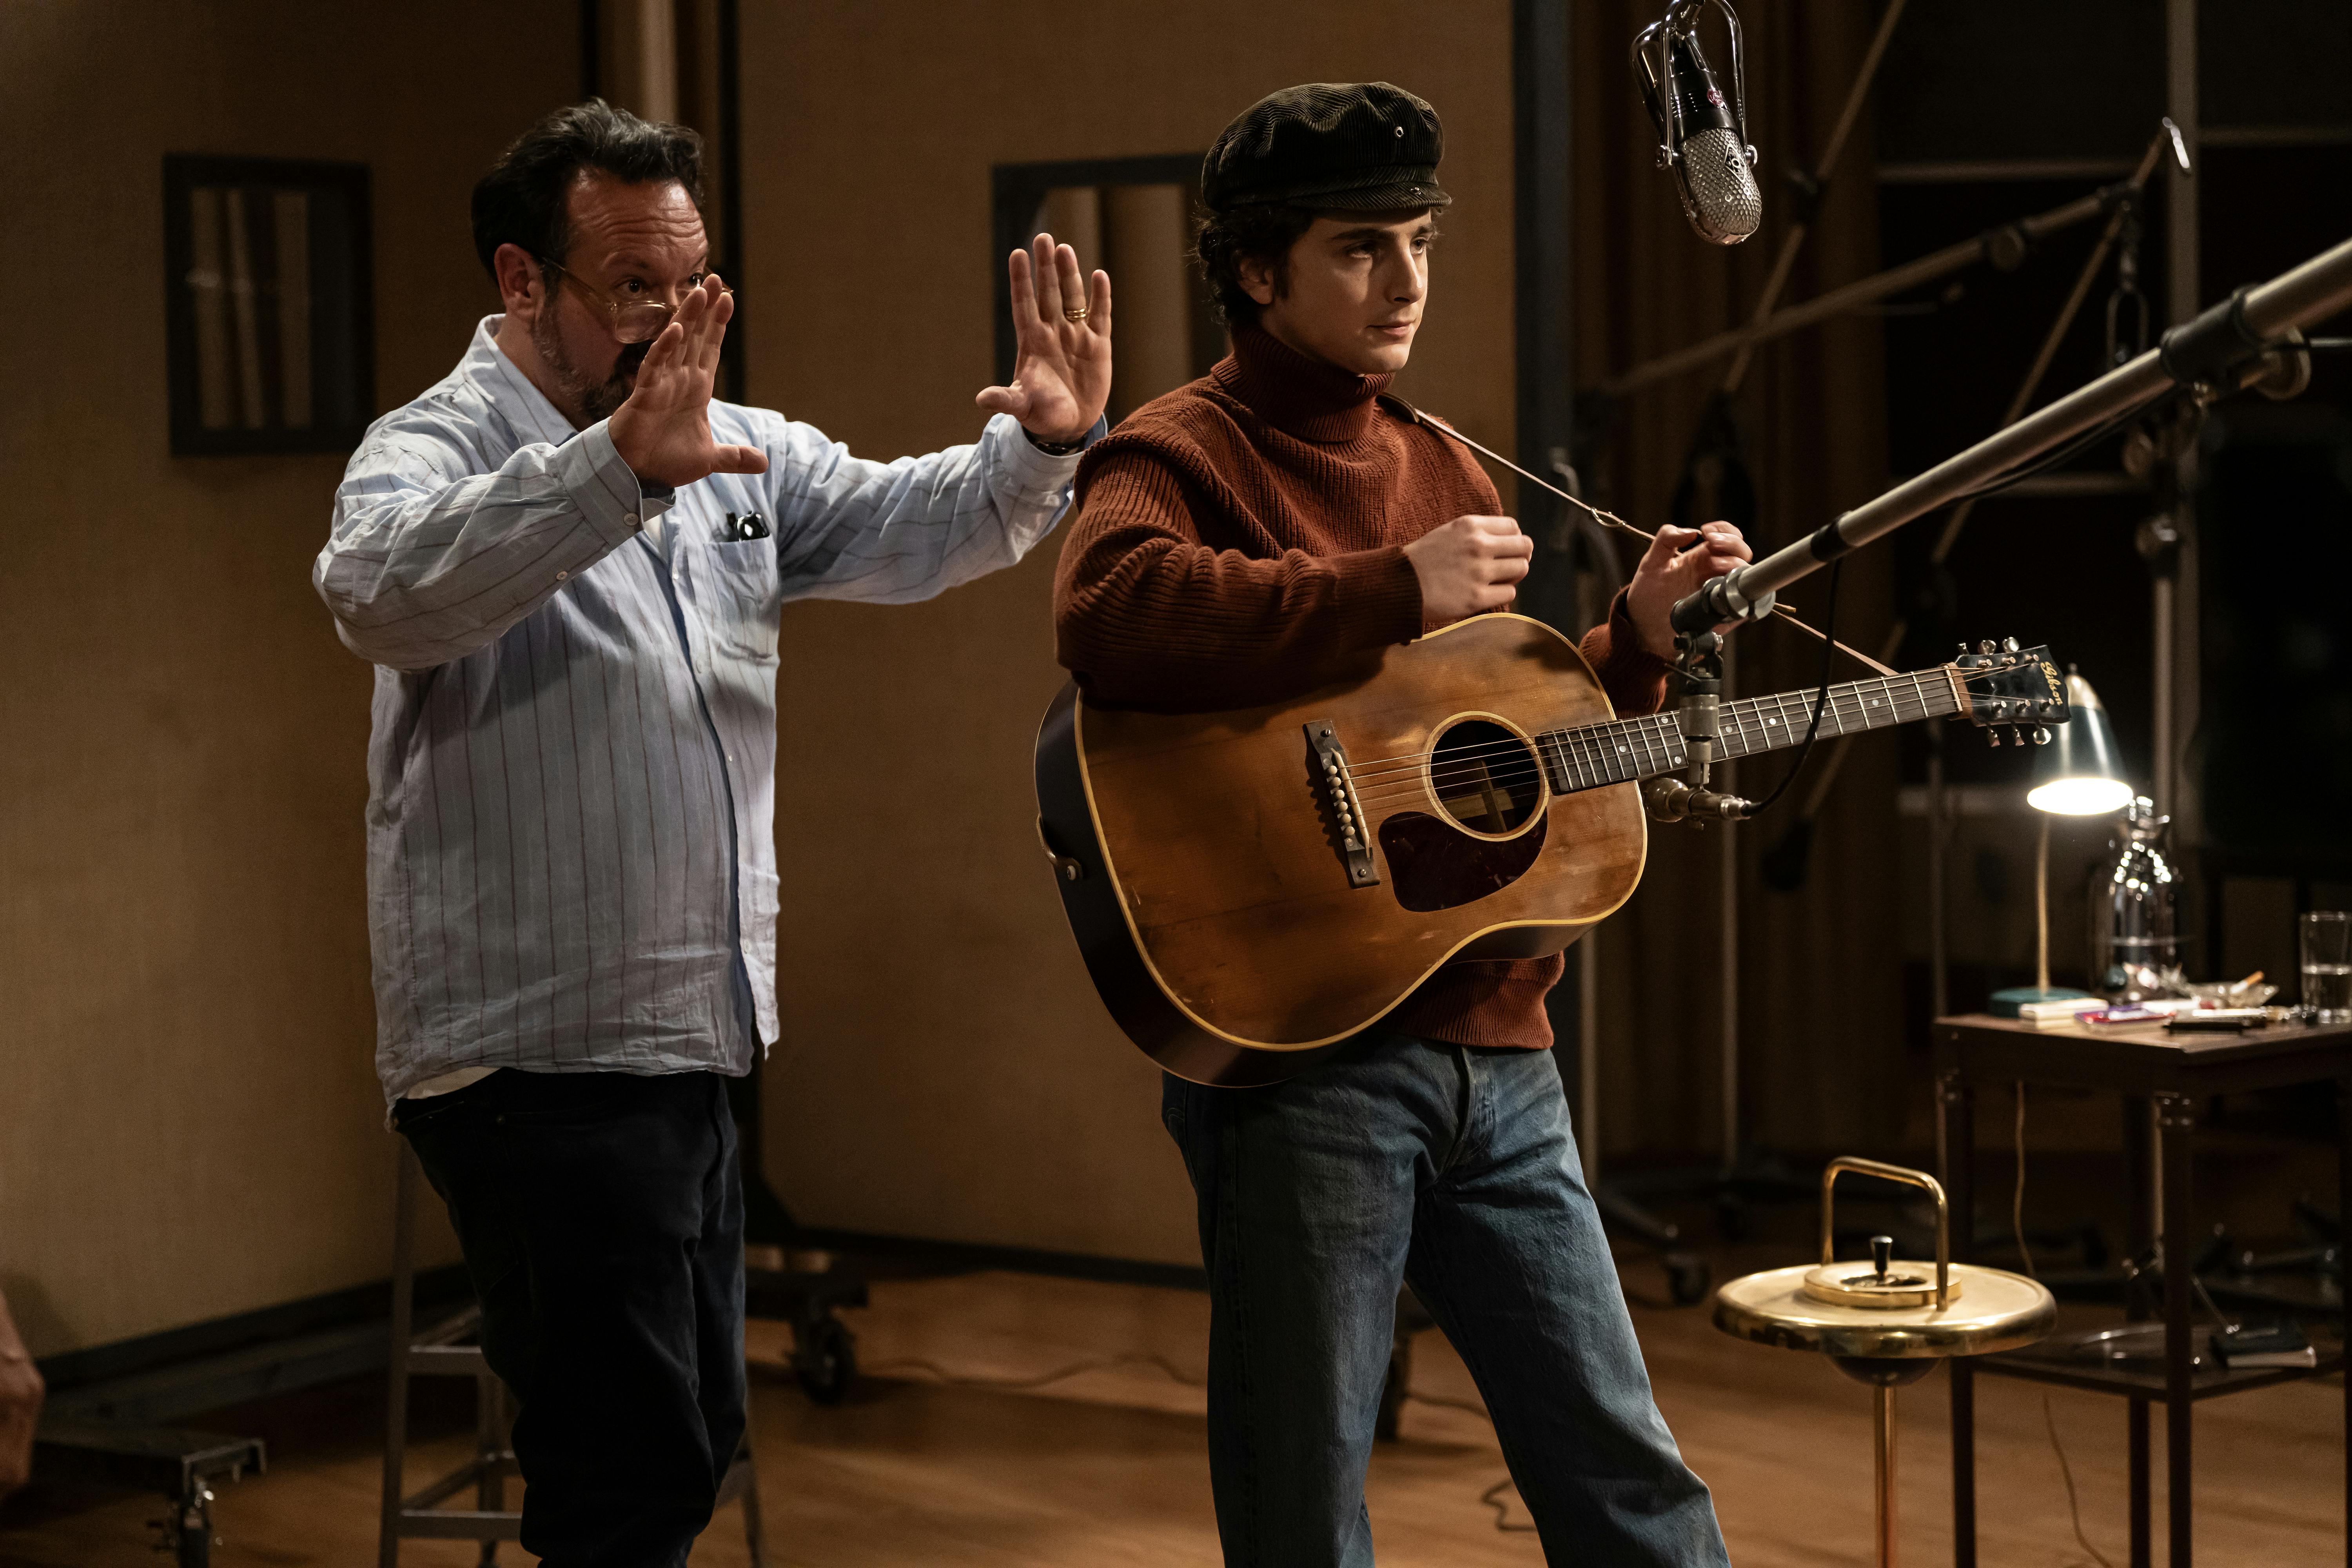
(1702, 140)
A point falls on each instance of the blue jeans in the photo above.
(1453, 1167)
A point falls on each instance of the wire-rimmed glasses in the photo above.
(633, 320)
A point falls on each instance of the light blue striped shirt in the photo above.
(571, 859)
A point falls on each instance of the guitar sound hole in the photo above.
(1487, 779)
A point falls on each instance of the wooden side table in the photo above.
(2164, 1079)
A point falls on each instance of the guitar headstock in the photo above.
(2002, 683)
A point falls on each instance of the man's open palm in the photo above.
(663, 431)
(1060, 368)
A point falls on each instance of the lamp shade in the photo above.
(2078, 773)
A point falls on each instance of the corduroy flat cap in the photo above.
(1361, 146)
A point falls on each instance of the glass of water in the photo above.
(2327, 965)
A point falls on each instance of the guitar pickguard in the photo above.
(1434, 866)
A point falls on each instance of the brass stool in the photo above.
(1889, 1323)
(444, 1350)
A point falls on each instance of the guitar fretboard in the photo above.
(1623, 750)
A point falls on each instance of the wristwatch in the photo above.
(1054, 448)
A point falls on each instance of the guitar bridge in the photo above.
(1330, 763)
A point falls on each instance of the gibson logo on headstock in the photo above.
(2057, 687)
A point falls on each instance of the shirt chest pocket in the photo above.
(744, 599)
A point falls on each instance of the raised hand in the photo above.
(663, 431)
(1061, 367)
(1469, 566)
(1669, 572)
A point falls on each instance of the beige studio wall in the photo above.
(189, 1121)
(946, 1070)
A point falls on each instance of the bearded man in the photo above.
(567, 564)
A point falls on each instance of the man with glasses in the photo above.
(567, 562)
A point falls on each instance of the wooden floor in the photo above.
(1106, 1467)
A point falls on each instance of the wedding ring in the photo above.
(1077, 315)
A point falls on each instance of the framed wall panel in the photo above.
(269, 311)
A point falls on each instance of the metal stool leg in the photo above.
(1882, 1420)
(395, 1420)
(440, 1351)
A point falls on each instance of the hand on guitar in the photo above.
(1467, 566)
(1679, 562)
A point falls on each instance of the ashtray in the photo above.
(2231, 993)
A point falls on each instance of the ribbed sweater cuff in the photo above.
(1379, 597)
(1629, 666)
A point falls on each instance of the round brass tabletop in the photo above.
(1995, 1310)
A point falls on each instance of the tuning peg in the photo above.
(2016, 736)
(1986, 648)
(2040, 736)
(2009, 644)
(1992, 736)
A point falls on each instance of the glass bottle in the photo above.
(2134, 911)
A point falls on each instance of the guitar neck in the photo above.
(1767, 724)
(1623, 750)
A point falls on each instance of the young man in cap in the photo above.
(1236, 541)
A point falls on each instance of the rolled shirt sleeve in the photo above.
(572, 857)
(897, 531)
(426, 561)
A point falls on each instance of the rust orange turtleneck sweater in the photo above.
(1237, 539)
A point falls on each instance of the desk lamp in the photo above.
(2077, 775)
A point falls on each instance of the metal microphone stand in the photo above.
(2247, 342)
(1707, 672)
(1696, 798)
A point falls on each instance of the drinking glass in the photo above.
(2327, 965)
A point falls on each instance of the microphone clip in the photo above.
(1669, 799)
(1679, 91)
(1699, 661)
(1717, 601)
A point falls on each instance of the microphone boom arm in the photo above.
(2222, 351)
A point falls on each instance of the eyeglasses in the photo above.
(633, 320)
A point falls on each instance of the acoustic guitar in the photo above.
(1251, 886)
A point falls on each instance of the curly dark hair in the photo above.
(1259, 232)
(1262, 232)
(525, 198)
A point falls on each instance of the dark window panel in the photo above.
(2274, 62)
(2021, 79)
(1957, 351)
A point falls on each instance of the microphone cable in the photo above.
(1821, 700)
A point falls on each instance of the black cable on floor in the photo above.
(2049, 1415)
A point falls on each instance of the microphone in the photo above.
(1701, 140)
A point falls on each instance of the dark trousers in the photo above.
(1453, 1167)
(602, 1218)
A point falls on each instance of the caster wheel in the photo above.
(824, 1359)
(1687, 1279)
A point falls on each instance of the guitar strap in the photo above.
(1608, 519)
(1855, 653)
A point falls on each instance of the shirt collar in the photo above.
(502, 382)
